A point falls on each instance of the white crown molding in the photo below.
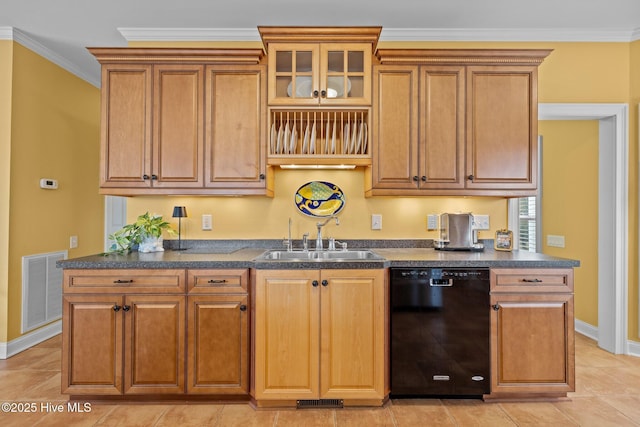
(190, 34)
(397, 34)
(10, 33)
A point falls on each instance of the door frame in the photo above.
(613, 214)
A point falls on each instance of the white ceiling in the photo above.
(61, 29)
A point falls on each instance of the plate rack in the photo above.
(319, 136)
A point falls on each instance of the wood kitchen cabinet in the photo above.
(319, 66)
(218, 332)
(131, 344)
(532, 333)
(320, 335)
(183, 121)
(142, 332)
(455, 122)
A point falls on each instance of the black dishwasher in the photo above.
(439, 332)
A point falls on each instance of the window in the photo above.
(527, 224)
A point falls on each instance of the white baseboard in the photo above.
(8, 349)
(590, 331)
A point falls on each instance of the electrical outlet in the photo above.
(207, 222)
(376, 222)
(481, 222)
(73, 242)
(555, 241)
(432, 222)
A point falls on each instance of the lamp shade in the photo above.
(179, 212)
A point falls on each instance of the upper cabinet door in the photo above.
(178, 125)
(502, 123)
(319, 74)
(126, 125)
(235, 126)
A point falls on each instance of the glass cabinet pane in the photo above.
(356, 62)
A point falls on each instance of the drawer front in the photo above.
(218, 281)
(532, 280)
(124, 281)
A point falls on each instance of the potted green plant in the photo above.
(146, 232)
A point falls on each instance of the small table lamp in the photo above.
(179, 212)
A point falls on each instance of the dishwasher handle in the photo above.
(440, 282)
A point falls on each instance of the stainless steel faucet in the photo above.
(319, 245)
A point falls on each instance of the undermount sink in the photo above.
(348, 255)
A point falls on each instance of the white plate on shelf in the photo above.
(279, 142)
(305, 141)
(272, 138)
(364, 138)
(294, 141)
(312, 139)
(326, 137)
(354, 137)
(285, 139)
(332, 150)
(304, 87)
(345, 139)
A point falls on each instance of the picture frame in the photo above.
(503, 240)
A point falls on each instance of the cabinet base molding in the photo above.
(293, 403)
(526, 397)
(165, 399)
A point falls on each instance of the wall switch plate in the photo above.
(73, 242)
(432, 222)
(376, 222)
(207, 222)
(481, 222)
(555, 241)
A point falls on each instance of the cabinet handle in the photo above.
(243, 307)
(217, 281)
(315, 93)
(154, 177)
(145, 176)
(415, 178)
(262, 176)
(120, 281)
(126, 307)
(532, 280)
(325, 283)
(470, 177)
(323, 93)
(116, 308)
(423, 178)
(314, 283)
(495, 307)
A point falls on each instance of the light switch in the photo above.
(555, 241)
(207, 222)
(376, 222)
(432, 222)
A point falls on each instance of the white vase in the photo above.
(151, 244)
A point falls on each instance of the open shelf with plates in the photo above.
(308, 137)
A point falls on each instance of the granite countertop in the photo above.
(243, 253)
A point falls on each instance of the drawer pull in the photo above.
(217, 281)
(243, 307)
(532, 280)
(116, 308)
(126, 307)
(119, 281)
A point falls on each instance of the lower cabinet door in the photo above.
(92, 345)
(532, 344)
(352, 365)
(218, 344)
(154, 344)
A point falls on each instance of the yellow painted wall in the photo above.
(570, 204)
(6, 55)
(634, 191)
(55, 122)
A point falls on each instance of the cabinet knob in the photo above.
(496, 307)
(116, 308)
(423, 178)
(325, 283)
(315, 93)
(262, 176)
(323, 93)
(415, 178)
(314, 283)
(243, 307)
(126, 307)
(154, 177)
(145, 176)
(470, 177)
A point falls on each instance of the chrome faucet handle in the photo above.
(305, 242)
(343, 245)
(332, 244)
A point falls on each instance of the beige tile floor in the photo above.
(607, 394)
